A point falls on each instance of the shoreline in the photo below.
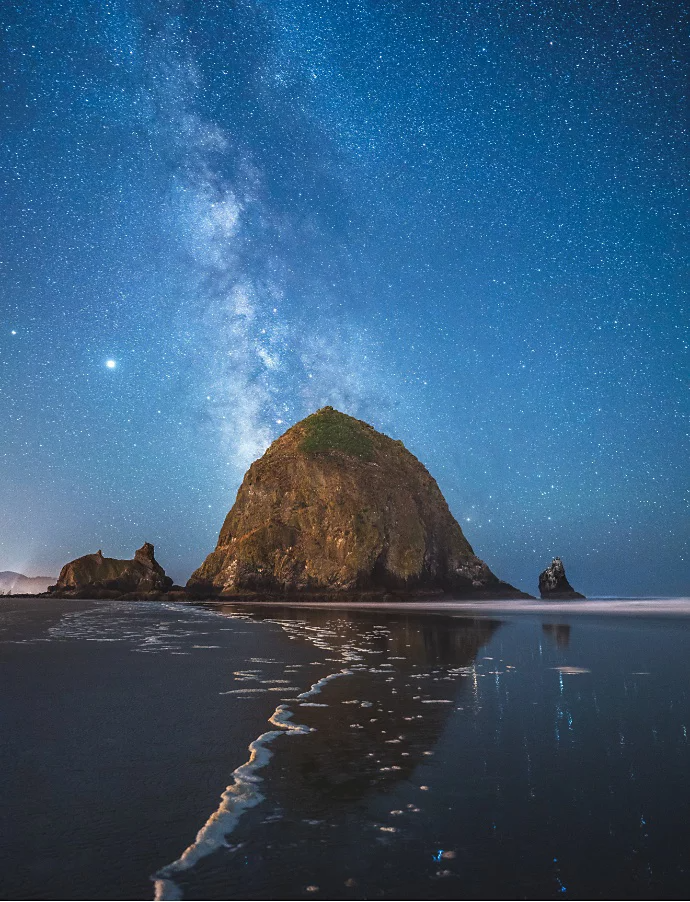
(644, 606)
(641, 607)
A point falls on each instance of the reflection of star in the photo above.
(110, 364)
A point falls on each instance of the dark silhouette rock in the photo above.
(335, 506)
(95, 576)
(553, 583)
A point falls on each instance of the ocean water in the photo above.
(282, 753)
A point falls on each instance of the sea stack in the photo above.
(95, 576)
(553, 583)
(335, 506)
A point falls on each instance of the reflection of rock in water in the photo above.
(558, 632)
(390, 711)
(371, 730)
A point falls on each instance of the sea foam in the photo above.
(239, 796)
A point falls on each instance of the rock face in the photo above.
(335, 506)
(553, 582)
(96, 576)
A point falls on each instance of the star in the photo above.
(111, 364)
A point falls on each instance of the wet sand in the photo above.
(116, 742)
(461, 755)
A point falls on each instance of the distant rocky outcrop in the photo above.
(12, 583)
(553, 583)
(95, 576)
(335, 506)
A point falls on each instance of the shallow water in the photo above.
(395, 755)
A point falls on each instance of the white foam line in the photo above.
(241, 795)
(317, 687)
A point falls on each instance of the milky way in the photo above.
(462, 222)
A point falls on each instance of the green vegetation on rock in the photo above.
(330, 430)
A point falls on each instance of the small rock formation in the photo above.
(335, 506)
(553, 583)
(12, 583)
(95, 576)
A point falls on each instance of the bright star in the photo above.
(110, 364)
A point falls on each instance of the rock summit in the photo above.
(554, 584)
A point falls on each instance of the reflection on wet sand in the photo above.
(379, 722)
(366, 733)
(558, 633)
(382, 721)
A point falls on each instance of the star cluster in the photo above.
(461, 221)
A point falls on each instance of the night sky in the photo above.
(464, 222)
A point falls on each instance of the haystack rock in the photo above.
(95, 576)
(553, 582)
(335, 506)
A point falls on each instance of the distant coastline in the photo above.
(12, 583)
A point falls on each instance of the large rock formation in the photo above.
(95, 576)
(335, 506)
(553, 582)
